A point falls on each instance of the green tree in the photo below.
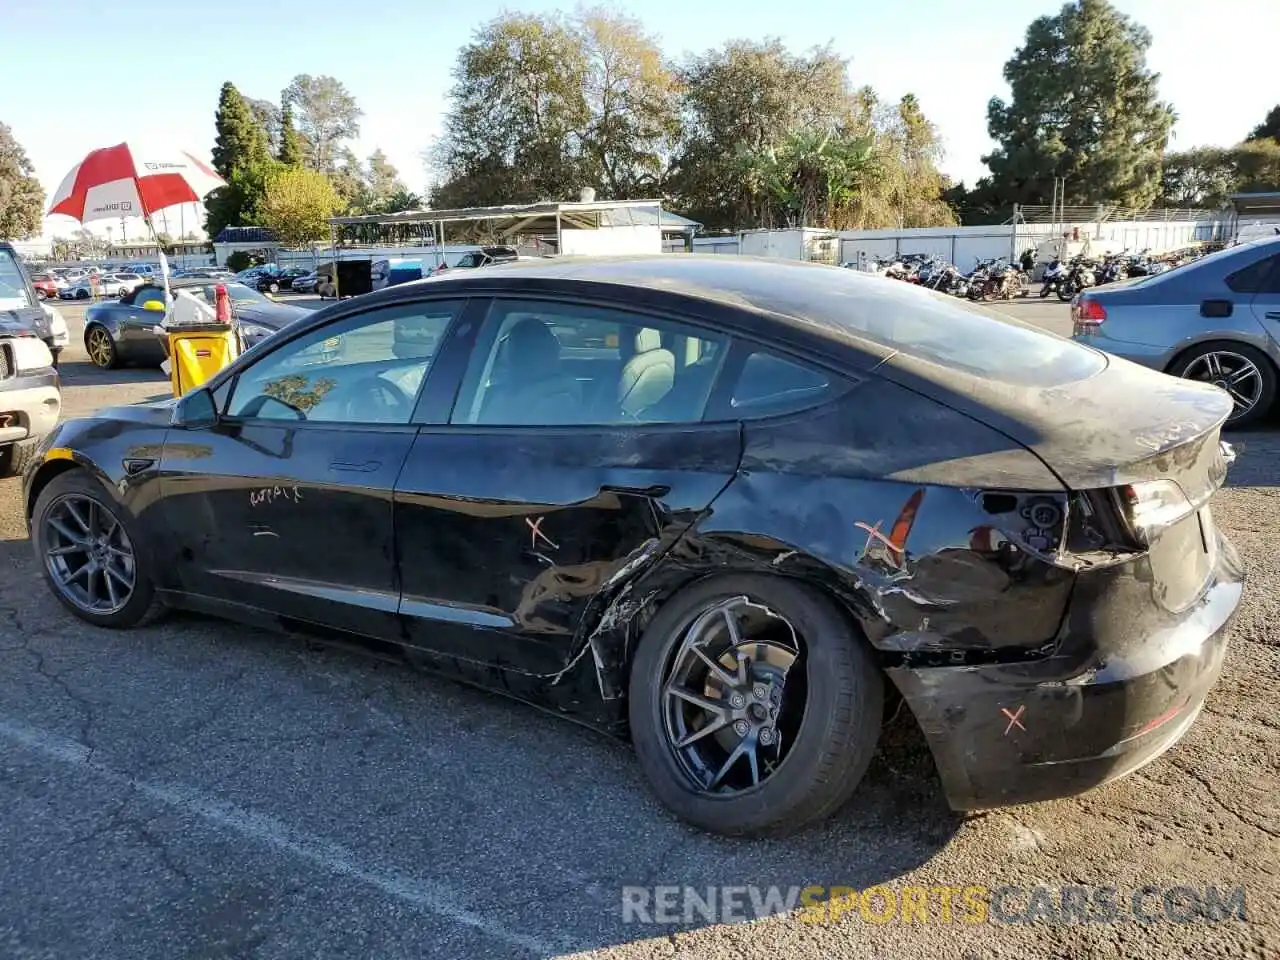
(740, 101)
(382, 178)
(21, 196)
(513, 132)
(1084, 107)
(632, 106)
(297, 204)
(326, 114)
(1268, 129)
(291, 153)
(1201, 177)
(241, 140)
(403, 200)
(1257, 164)
(268, 117)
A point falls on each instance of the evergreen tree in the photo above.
(1084, 107)
(241, 141)
(290, 141)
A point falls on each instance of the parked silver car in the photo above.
(1216, 319)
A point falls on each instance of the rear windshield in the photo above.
(13, 285)
(978, 340)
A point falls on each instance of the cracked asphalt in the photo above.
(197, 789)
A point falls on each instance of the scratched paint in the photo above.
(272, 494)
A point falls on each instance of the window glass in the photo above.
(13, 288)
(1260, 277)
(769, 385)
(148, 294)
(538, 363)
(365, 369)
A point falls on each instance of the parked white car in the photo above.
(109, 285)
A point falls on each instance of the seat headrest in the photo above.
(533, 348)
(648, 339)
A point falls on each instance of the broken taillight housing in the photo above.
(1151, 506)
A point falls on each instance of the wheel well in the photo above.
(46, 473)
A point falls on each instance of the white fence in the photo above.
(965, 246)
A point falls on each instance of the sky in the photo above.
(80, 74)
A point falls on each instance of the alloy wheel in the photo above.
(100, 347)
(1234, 373)
(89, 556)
(732, 704)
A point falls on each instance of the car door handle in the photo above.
(655, 491)
(348, 466)
(1272, 314)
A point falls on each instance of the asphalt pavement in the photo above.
(199, 789)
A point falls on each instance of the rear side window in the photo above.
(1260, 277)
(768, 385)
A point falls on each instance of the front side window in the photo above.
(539, 363)
(364, 369)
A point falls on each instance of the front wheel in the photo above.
(755, 705)
(82, 295)
(1066, 291)
(1243, 372)
(90, 553)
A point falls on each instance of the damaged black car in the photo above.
(723, 506)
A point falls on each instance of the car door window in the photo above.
(1262, 276)
(768, 385)
(148, 295)
(541, 363)
(363, 369)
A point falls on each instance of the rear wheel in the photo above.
(755, 706)
(1245, 373)
(82, 294)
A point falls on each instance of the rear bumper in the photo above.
(1022, 733)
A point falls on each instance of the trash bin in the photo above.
(197, 351)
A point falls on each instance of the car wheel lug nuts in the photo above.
(740, 728)
(766, 736)
(759, 691)
(737, 700)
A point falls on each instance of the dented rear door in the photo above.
(511, 540)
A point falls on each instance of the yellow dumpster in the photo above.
(197, 351)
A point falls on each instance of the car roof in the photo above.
(812, 305)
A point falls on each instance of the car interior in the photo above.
(554, 371)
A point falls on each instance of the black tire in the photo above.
(15, 456)
(82, 295)
(142, 606)
(273, 288)
(1270, 381)
(1045, 291)
(1066, 291)
(837, 735)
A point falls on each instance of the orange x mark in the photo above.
(535, 532)
(1013, 718)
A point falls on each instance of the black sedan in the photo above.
(280, 280)
(725, 506)
(123, 331)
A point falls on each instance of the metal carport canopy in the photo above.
(533, 217)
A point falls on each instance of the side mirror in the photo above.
(196, 410)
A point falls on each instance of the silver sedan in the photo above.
(1216, 319)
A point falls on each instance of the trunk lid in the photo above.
(1120, 425)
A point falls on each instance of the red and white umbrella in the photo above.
(119, 182)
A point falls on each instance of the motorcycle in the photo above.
(1054, 275)
(1080, 275)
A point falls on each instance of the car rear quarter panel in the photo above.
(874, 498)
(1154, 334)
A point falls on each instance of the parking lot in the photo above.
(196, 788)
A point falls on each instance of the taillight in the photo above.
(1151, 506)
(1087, 314)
